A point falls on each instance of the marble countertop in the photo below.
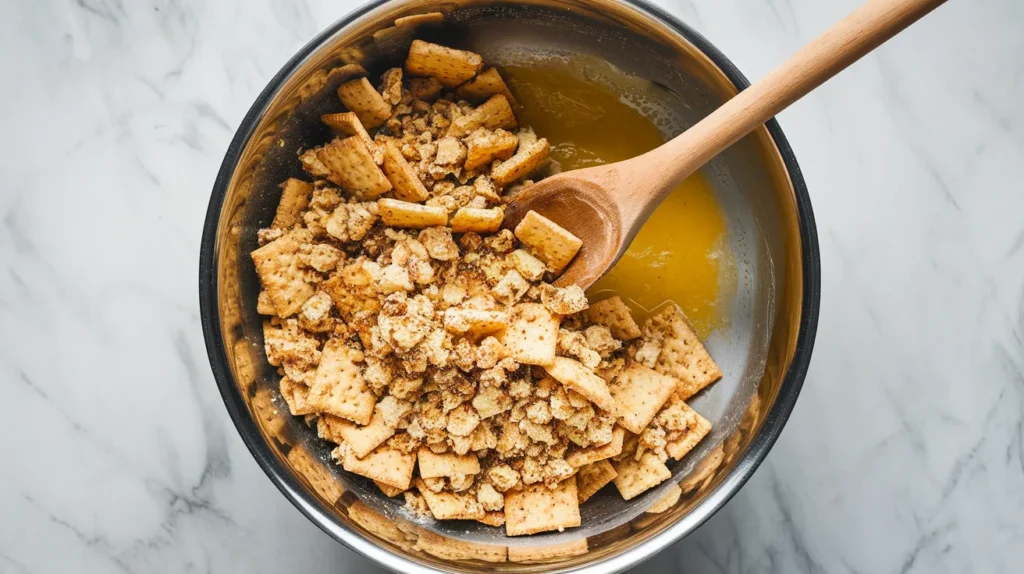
(905, 452)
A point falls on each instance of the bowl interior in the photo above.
(673, 80)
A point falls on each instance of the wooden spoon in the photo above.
(605, 206)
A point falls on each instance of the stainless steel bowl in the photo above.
(764, 352)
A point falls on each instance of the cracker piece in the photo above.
(341, 74)
(388, 490)
(398, 213)
(347, 124)
(577, 377)
(352, 167)
(495, 518)
(416, 20)
(637, 476)
(277, 264)
(391, 86)
(447, 464)
(312, 164)
(522, 164)
(592, 478)
(360, 97)
(547, 553)
(696, 427)
(537, 508)
(486, 84)
(376, 523)
(531, 268)
(639, 393)
(446, 505)
(667, 501)
(315, 473)
(362, 439)
(484, 146)
(425, 88)
(296, 395)
(264, 306)
(532, 334)
(493, 114)
(295, 195)
(451, 67)
(447, 548)
(407, 184)
(682, 356)
(592, 454)
(614, 314)
(385, 464)
(477, 220)
(549, 241)
(339, 388)
(474, 323)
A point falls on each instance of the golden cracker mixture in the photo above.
(429, 343)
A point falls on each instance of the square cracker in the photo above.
(537, 508)
(495, 113)
(486, 84)
(315, 473)
(347, 124)
(523, 163)
(680, 417)
(385, 464)
(639, 393)
(532, 334)
(403, 178)
(577, 377)
(478, 220)
(447, 464)
(551, 242)
(295, 195)
(338, 388)
(388, 490)
(451, 67)
(411, 215)
(682, 356)
(365, 102)
(297, 396)
(592, 454)
(350, 164)
(637, 476)
(484, 146)
(277, 264)
(546, 553)
(615, 315)
(362, 439)
(451, 505)
(668, 500)
(593, 477)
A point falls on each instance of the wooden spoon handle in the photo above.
(843, 44)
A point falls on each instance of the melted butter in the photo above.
(680, 254)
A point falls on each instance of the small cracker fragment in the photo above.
(264, 306)
(486, 84)
(614, 314)
(639, 393)
(277, 264)
(495, 518)
(638, 476)
(592, 478)
(296, 395)
(295, 195)
(446, 465)
(425, 88)
(523, 163)
(407, 184)
(682, 356)
(388, 490)
(484, 146)
(531, 268)
(495, 113)
(547, 553)
(391, 86)
(667, 501)
(537, 508)
(452, 549)
(549, 241)
(451, 67)
(350, 165)
(532, 334)
(697, 427)
(385, 464)
(477, 220)
(339, 388)
(362, 439)
(360, 97)
(577, 377)
(397, 213)
(430, 18)
(315, 473)
(451, 505)
(347, 124)
(592, 454)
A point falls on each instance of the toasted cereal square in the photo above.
(682, 356)
(375, 522)
(548, 240)
(577, 377)
(477, 220)
(547, 553)
(388, 490)
(296, 395)
(637, 476)
(385, 464)
(315, 473)
(667, 501)
(264, 306)
(339, 388)
(447, 464)
(452, 549)
(532, 334)
(593, 477)
(407, 184)
(522, 164)
(451, 67)
(425, 88)
(484, 146)
(615, 315)
(451, 505)
(639, 393)
(352, 167)
(537, 508)
(277, 264)
(416, 20)
(678, 415)
(362, 439)
(486, 84)
(495, 518)
(531, 268)
(295, 195)
(592, 454)
(368, 105)
(347, 124)
(474, 323)
(398, 213)
(493, 114)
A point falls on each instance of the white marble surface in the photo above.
(905, 452)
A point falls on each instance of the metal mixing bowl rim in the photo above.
(770, 429)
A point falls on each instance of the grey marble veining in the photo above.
(905, 452)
